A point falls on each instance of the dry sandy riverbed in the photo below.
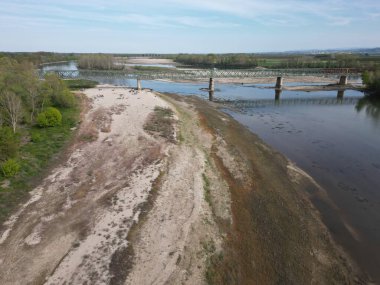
(75, 226)
(209, 203)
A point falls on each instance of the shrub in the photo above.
(372, 80)
(9, 143)
(65, 99)
(10, 168)
(51, 117)
(36, 137)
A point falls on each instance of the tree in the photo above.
(10, 105)
(9, 143)
(55, 89)
(372, 80)
(32, 95)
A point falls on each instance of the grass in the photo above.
(76, 84)
(42, 144)
(151, 68)
(161, 123)
(206, 187)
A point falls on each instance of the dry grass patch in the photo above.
(161, 123)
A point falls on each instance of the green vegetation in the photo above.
(9, 143)
(38, 58)
(161, 123)
(10, 168)
(97, 61)
(206, 188)
(151, 68)
(25, 147)
(51, 117)
(333, 60)
(75, 84)
(372, 80)
(219, 61)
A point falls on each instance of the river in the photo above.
(335, 140)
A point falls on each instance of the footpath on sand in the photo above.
(161, 189)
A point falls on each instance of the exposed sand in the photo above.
(78, 219)
(148, 60)
(130, 207)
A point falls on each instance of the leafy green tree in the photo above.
(10, 104)
(96, 61)
(9, 143)
(372, 80)
(54, 90)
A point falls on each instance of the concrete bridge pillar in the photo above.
(211, 96)
(340, 94)
(279, 82)
(343, 80)
(211, 86)
(139, 84)
(277, 94)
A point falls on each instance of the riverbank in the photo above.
(202, 200)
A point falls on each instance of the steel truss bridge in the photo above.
(191, 74)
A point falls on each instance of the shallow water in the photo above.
(151, 65)
(333, 138)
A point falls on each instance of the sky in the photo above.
(187, 26)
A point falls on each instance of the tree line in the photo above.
(38, 58)
(25, 102)
(218, 61)
(225, 61)
(97, 61)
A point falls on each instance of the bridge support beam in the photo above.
(139, 84)
(211, 86)
(343, 80)
(279, 82)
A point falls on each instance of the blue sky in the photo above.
(201, 26)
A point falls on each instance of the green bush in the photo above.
(10, 168)
(372, 80)
(64, 99)
(9, 143)
(36, 137)
(49, 118)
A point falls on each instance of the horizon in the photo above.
(184, 26)
(306, 51)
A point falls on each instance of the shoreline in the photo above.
(222, 123)
(207, 202)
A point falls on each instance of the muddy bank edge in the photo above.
(276, 236)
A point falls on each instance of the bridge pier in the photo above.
(343, 80)
(211, 85)
(211, 96)
(277, 94)
(279, 82)
(340, 94)
(139, 84)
